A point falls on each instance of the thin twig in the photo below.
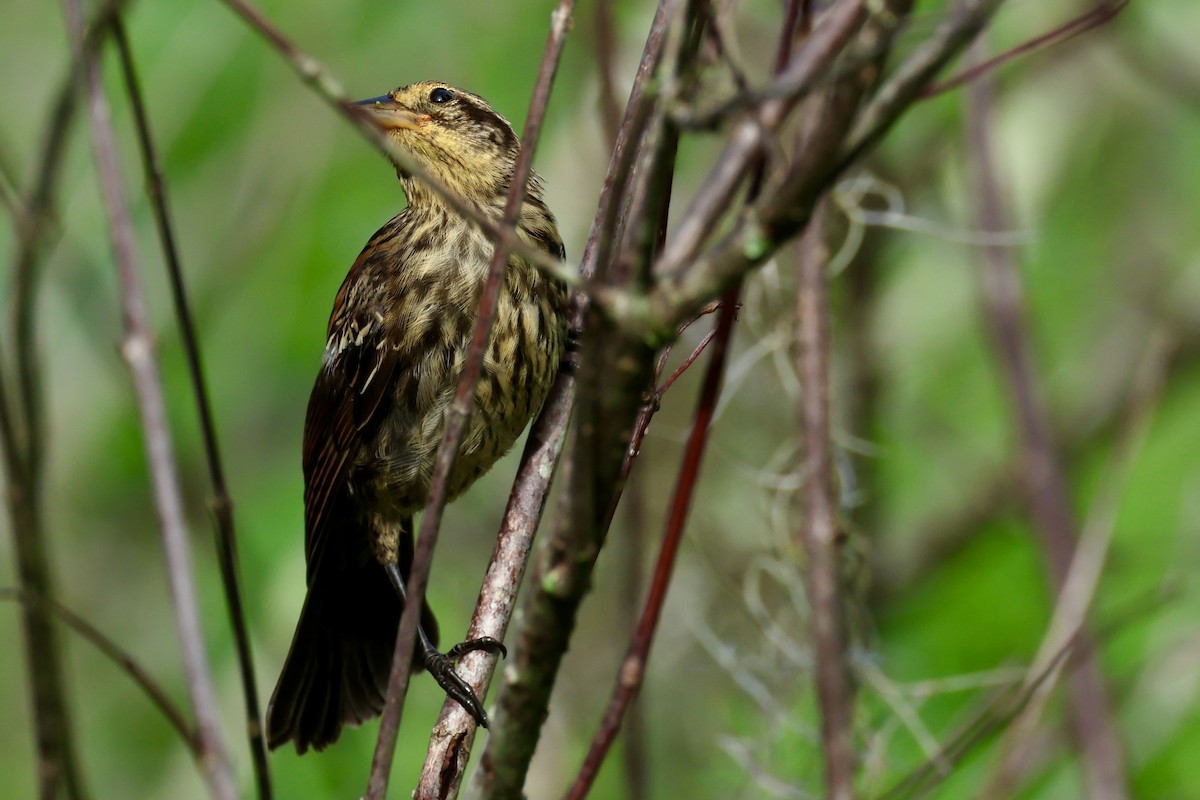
(1045, 481)
(124, 661)
(221, 503)
(22, 440)
(635, 733)
(1100, 15)
(138, 351)
(460, 411)
(321, 80)
(1078, 593)
(606, 52)
(905, 84)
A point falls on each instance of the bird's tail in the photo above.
(336, 671)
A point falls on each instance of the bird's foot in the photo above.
(441, 667)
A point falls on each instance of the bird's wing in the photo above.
(345, 409)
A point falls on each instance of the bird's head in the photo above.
(455, 135)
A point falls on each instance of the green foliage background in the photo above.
(1099, 143)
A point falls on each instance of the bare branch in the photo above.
(820, 532)
(221, 503)
(450, 743)
(633, 666)
(565, 560)
(1045, 481)
(138, 351)
(124, 661)
(1102, 14)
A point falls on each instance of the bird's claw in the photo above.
(441, 667)
(485, 643)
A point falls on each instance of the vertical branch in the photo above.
(635, 744)
(634, 664)
(460, 410)
(606, 51)
(221, 503)
(633, 667)
(123, 660)
(1045, 480)
(138, 352)
(22, 441)
(819, 533)
(563, 565)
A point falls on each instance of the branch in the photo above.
(460, 411)
(138, 351)
(565, 560)
(633, 666)
(820, 534)
(22, 441)
(221, 503)
(688, 277)
(124, 661)
(693, 279)
(1045, 481)
(740, 155)
(454, 733)
(1100, 15)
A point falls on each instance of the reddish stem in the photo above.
(1085, 22)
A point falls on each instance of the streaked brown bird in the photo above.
(397, 342)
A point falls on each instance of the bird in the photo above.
(396, 343)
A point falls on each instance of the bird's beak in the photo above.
(390, 115)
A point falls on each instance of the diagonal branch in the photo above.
(564, 562)
(1045, 480)
(454, 733)
(124, 661)
(820, 531)
(320, 80)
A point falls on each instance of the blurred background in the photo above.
(1098, 144)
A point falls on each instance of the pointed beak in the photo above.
(390, 115)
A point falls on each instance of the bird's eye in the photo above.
(441, 95)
